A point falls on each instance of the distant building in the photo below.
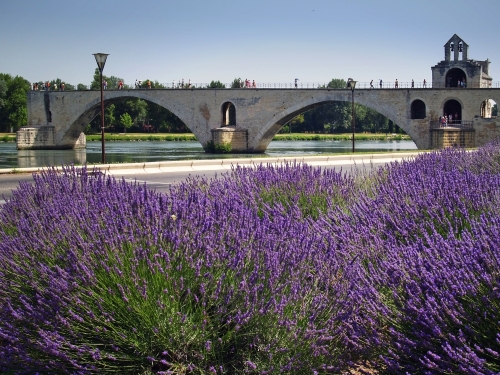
(460, 71)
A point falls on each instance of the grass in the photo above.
(339, 137)
(7, 137)
(277, 137)
(137, 137)
(11, 137)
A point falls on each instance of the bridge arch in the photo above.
(92, 108)
(271, 128)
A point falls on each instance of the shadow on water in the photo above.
(151, 151)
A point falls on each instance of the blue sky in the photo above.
(265, 40)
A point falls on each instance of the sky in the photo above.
(269, 41)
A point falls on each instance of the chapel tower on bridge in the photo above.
(457, 70)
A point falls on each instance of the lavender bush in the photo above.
(269, 270)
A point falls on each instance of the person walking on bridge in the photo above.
(380, 83)
(371, 84)
(396, 84)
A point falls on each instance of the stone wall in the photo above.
(235, 136)
(443, 138)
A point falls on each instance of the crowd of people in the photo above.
(181, 84)
(242, 84)
(396, 84)
(36, 86)
(448, 120)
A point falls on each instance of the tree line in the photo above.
(137, 115)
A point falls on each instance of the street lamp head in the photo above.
(351, 83)
(100, 58)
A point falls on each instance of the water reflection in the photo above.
(45, 158)
(143, 152)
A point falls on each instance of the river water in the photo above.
(150, 151)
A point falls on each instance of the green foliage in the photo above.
(109, 115)
(3, 93)
(221, 148)
(13, 107)
(81, 86)
(336, 83)
(8, 138)
(111, 80)
(210, 147)
(336, 117)
(216, 85)
(96, 82)
(59, 83)
(126, 121)
(141, 137)
(237, 83)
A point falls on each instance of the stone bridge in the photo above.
(56, 119)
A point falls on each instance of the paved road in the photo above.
(159, 176)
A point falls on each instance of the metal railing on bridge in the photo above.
(285, 85)
(457, 124)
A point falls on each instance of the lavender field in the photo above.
(272, 270)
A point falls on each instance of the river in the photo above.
(150, 151)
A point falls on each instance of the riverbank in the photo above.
(11, 137)
(277, 137)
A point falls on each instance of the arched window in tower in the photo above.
(456, 78)
(417, 110)
(228, 114)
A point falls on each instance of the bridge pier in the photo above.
(452, 137)
(44, 138)
(232, 136)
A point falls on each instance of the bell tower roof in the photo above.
(457, 46)
(456, 40)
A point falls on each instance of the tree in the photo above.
(81, 86)
(3, 93)
(13, 109)
(216, 85)
(237, 83)
(336, 83)
(111, 80)
(96, 82)
(59, 82)
(126, 121)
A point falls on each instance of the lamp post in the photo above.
(100, 58)
(352, 84)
